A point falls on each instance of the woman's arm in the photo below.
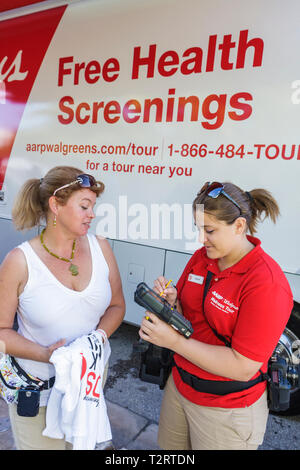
(115, 312)
(217, 360)
(13, 278)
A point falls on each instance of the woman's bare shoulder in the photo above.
(105, 245)
(14, 265)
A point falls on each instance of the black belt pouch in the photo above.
(28, 402)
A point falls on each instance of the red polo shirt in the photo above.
(250, 303)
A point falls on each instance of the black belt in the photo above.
(217, 387)
(41, 384)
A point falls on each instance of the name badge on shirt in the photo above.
(196, 279)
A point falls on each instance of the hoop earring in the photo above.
(54, 221)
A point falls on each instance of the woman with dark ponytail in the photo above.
(238, 301)
(64, 284)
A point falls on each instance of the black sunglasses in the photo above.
(85, 181)
(214, 190)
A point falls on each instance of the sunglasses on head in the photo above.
(214, 190)
(85, 181)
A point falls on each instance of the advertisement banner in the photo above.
(155, 98)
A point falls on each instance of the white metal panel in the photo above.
(295, 285)
(137, 263)
(175, 264)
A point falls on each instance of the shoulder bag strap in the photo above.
(222, 338)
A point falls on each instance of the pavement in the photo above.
(133, 406)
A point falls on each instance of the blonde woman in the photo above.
(63, 283)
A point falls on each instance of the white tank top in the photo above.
(49, 311)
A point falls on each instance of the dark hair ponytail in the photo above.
(262, 202)
(253, 204)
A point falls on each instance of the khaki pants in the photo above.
(27, 432)
(184, 425)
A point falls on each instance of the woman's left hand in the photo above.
(158, 332)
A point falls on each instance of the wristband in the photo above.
(104, 335)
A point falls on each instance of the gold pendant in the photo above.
(74, 269)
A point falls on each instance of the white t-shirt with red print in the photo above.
(76, 408)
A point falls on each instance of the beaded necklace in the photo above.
(72, 268)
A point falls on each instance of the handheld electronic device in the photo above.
(151, 301)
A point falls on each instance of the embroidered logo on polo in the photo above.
(225, 305)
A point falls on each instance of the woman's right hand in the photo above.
(169, 293)
(50, 349)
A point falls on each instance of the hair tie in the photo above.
(249, 196)
(41, 180)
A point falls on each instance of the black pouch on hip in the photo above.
(28, 402)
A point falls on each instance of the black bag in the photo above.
(28, 402)
(156, 365)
